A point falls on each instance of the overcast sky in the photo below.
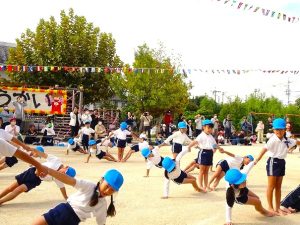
(206, 33)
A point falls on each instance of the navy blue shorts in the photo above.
(176, 148)
(76, 148)
(62, 214)
(275, 167)
(101, 155)
(10, 161)
(135, 148)
(205, 157)
(181, 177)
(243, 197)
(224, 165)
(159, 165)
(121, 143)
(29, 179)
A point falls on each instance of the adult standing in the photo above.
(146, 118)
(227, 123)
(215, 121)
(198, 121)
(168, 119)
(6, 115)
(260, 131)
(190, 129)
(129, 119)
(288, 132)
(19, 105)
(269, 128)
(86, 117)
(75, 122)
(95, 118)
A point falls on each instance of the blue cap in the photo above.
(234, 176)
(279, 124)
(182, 125)
(92, 142)
(146, 152)
(123, 125)
(71, 172)
(207, 122)
(114, 178)
(71, 141)
(250, 157)
(168, 164)
(40, 148)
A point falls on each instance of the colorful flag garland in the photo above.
(112, 70)
(256, 9)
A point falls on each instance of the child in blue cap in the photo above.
(94, 147)
(234, 161)
(179, 138)
(237, 192)
(88, 201)
(143, 143)
(28, 180)
(174, 173)
(74, 145)
(208, 146)
(277, 147)
(153, 158)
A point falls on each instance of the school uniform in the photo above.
(292, 199)
(99, 153)
(11, 161)
(277, 152)
(6, 148)
(178, 140)
(77, 208)
(207, 144)
(156, 160)
(74, 147)
(230, 163)
(31, 180)
(121, 137)
(86, 133)
(241, 195)
(140, 146)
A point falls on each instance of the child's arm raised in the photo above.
(227, 153)
(64, 193)
(62, 177)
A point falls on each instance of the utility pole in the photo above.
(215, 94)
(288, 90)
(223, 93)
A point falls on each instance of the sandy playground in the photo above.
(139, 201)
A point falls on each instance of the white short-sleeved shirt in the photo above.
(235, 162)
(6, 148)
(80, 200)
(178, 137)
(121, 134)
(198, 124)
(278, 148)
(143, 145)
(5, 135)
(87, 131)
(10, 129)
(206, 141)
(155, 160)
(54, 163)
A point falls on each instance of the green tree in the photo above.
(297, 103)
(72, 42)
(152, 90)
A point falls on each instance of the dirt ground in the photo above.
(139, 201)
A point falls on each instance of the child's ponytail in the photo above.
(111, 210)
(94, 199)
(230, 196)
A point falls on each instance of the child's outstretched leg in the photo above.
(174, 155)
(40, 221)
(14, 191)
(258, 206)
(127, 156)
(192, 180)
(109, 157)
(190, 167)
(88, 158)
(217, 176)
(3, 166)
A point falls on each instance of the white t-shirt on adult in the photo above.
(80, 200)
(87, 131)
(54, 163)
(12, 130)
(235, 162)
(7, 149)
(121, 134)
(178, 137)
(278, 148)
(198, 124)
(206, 141)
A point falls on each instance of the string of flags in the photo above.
(263, 11)
(112, 70)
